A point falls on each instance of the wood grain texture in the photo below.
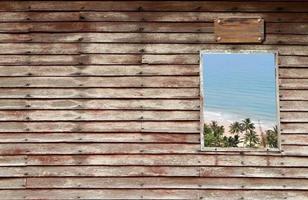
(100, 100)
(239, 30)
(116, 16)
(100, 104)
(150, 194)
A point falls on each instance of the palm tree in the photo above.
(272, 137)
(247, 125)
(251, 139)
(236, 128)
(218, 132)
(213, 135)
(231, 141)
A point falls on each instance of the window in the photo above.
(240, 106)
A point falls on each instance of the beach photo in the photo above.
(239, 100)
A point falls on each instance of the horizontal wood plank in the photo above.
(143, 16)
(152, 171)
(62, 27)
(133, 48)
(99, 137)
(177, 194)
(101, 82)
(293, 95)
(167, 160)
(98, 70)
(184, 183)
(294, 139)
(18, 160)
(106, 148)
(143, 93)
(153, 6)
(294, 116)
(131, 126)
(100, 104)
(95, 115)
(293, 105)
(69, 59)
(12, 183)
(150, 38)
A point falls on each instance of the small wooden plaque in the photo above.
(239, 30)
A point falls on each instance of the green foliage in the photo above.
(251, 138)
(213, 136)
(231, 141)
(272, 137)
(236, 128)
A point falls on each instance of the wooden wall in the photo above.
(100, 100)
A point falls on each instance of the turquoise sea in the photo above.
(238, 86)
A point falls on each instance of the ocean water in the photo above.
(240, 85)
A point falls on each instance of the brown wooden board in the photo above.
(239, 30)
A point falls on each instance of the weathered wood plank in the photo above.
(167, 160)
(102, 82)
(20, 127)
(294, 116)
(161, 127)
(62, 27)
(185, 48)
(149, 27)
(170, 59)
(133, 48)
(95, 70)
(96, 148)
(293, 95)
(95, 115)
(143, 93)
(100, 104)
(294, 127)
(99, 137)
(152, 171)
(102, 171)
(12, 183)
(295, 61)
(293, 105)
(296, 149)
(164, 16)
(13, 160)
(299, 139)
(143, 16)
(286, 39)
(154, 6)
(293, 73)
(184, 183)
(287, 28)
(177, 194)
(51, 48)
(182, 48)
(69, 59)
(110, 37)
(293, 83)
(170, 38)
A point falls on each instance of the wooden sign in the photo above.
(239, 30)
